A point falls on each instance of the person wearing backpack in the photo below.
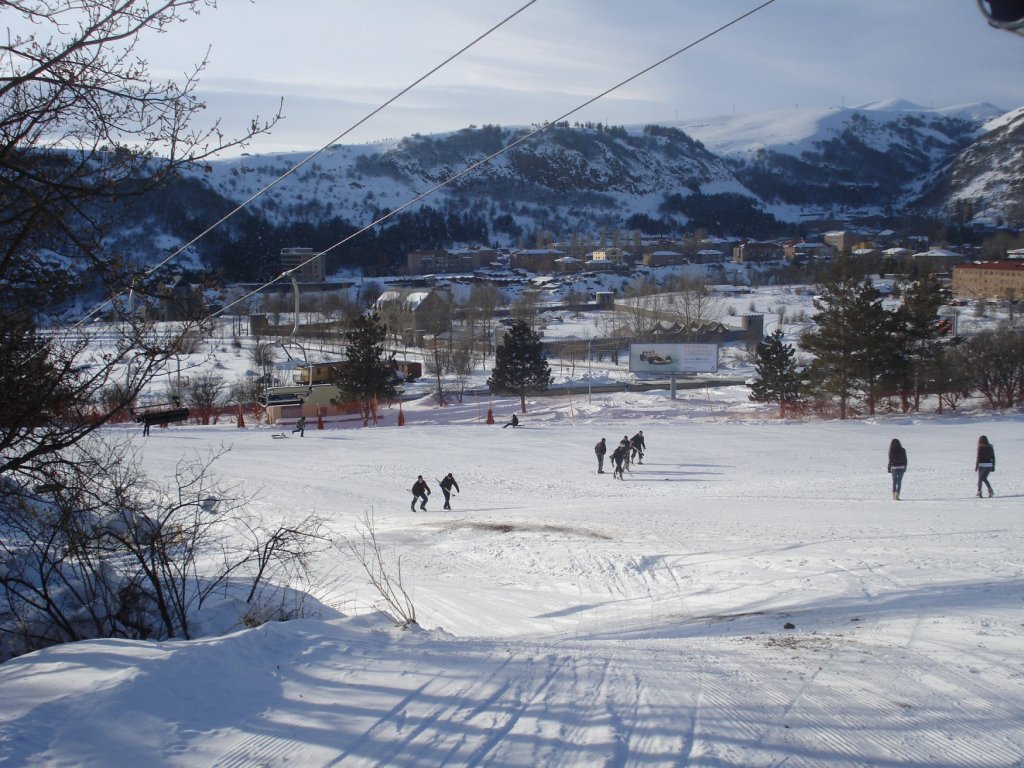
(601, 449)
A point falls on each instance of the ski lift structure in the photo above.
(310, 388)
(154, 412)
(296, 386)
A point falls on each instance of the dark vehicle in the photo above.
(407, 370)
(651, 357)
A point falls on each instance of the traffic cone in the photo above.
(319, 418)
(401, 415)
(241, 419)
(490, 412)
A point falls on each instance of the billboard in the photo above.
(673, 358)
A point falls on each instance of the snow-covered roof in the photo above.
(414, 299)
(937, 252)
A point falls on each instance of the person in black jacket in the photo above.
(300, 426)
(514, 423)
(420, 490)
(637, 441)
(601, 449)
(897, 466)
(619, 455)
(985, 464)
(446, 489)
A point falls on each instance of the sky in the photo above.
(749, 595)
(334, 62)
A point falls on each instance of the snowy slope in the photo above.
(797, 130)
(569, 619)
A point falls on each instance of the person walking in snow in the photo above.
(897, 466)
(513, 423)
(446, 488)
(619, 455)
(420, 490)
(985, 464)
(300, 426)
(629, 447)
(601, 449)
(637, 441)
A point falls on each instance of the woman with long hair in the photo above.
(897, 466)
(985, 464)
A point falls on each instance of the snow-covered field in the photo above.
(749, 596)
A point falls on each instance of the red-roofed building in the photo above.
(989, 280)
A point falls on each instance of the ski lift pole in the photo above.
(295, 293)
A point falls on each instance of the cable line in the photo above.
(316, 154)
(469, 169)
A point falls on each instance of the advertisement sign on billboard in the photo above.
(673, 358)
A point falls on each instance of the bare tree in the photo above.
(206, 392)
(460, 364)
(574, 300)
(527, 308)
(98, 550)
(83, 126)
(481, 308)
(644, 308)
(385, 574)
(692, 306)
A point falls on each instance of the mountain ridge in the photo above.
(884, 159)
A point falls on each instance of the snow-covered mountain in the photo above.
(985, 181)
(878, 158)
(882, 159)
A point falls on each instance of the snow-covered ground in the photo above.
(750, 595)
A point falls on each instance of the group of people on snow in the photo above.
(632, 449)
(421, 491)
(984, 465)
(629, 449)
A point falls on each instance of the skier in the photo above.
(446, 489)
(513, 423)
(300, 426)
(601, 449)
(985, 463)
(420, 490)
(638, 446)
(897, 466)
(619, 455)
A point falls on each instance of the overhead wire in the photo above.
(311, 157)
(473, 166)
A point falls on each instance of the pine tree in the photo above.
(366, 377)
(919, 336)
(832, 341)
(852, 342)
(777, 378)
(519, 364)
(876, 356)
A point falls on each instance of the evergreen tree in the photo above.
(366, 377)
(876, 353)
(777, 379)
(832, 341)
(519, 364)
(853, 343)
(919, 336)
